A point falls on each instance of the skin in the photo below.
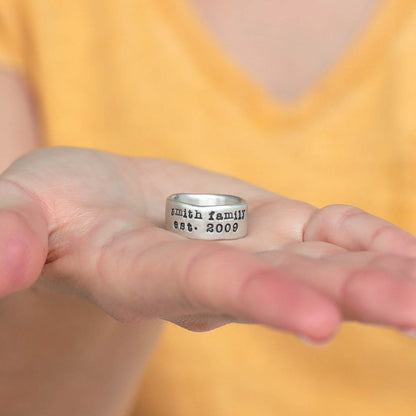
(284, 44)
(81, 239)
(89, 247)
(95, 230)
(51, 338)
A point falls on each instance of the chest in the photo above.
(286, 45)
(158, 88)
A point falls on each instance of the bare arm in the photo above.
(58, 354)
(300, 269)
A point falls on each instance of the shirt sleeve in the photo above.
(11, 35)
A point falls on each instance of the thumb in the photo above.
(23, 238)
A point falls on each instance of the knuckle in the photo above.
(383, 232)
(195, 278)
(246, 284)
(341, 212)
(331, 216)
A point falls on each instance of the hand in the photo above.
(90, 223)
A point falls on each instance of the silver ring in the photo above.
(206, 216)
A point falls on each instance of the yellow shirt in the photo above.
(145, 78)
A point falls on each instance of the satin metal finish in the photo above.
(206, 216)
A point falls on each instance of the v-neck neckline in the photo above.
(231, 79)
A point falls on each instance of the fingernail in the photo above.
(409, 332)
(316, 342)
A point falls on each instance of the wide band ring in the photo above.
(206, 216)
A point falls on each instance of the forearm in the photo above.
(59, 355)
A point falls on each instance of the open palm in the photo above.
(91, 223)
